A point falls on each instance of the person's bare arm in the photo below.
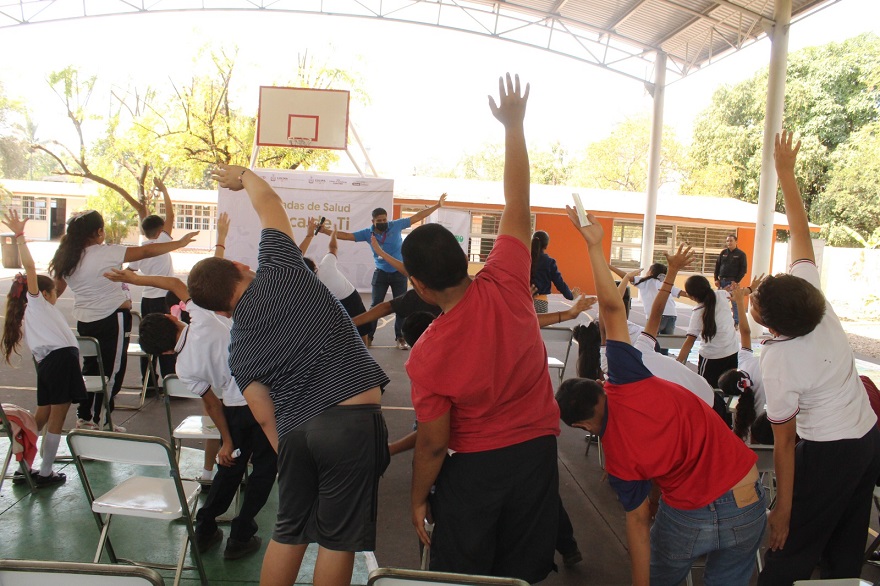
(266, 202)
(169, 207)
(676, 262)
(416, 218)
(333, 245)
(785, 156)
(214, 409)
(432, 441)
(612, 312)
(618, 271)
(516, 217)
(263, 409)
(373, 313)
(626, 280)
(779, 517)
(583, 303)
(311, 226)
(686, 348)
(638, 538)
(404, 444)
(398, 265)
(172, 284)
(739, 296)
(133, 253)
(222, 233)
(17, 225)
(328, 230)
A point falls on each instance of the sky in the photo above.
(428, 87)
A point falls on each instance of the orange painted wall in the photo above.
(570, 251)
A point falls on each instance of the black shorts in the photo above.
(328, 479)
(354, 306)
(59, 378)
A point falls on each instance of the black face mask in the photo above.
(381, 226)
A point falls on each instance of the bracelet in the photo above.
(219, 246)
(240, 177)
(19, 234)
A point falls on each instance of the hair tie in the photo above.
(176, 310)
(19, 285)
(745, 381)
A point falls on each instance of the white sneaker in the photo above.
(83, 424)
(116, 428)
(401, 344)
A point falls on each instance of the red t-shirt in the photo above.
(485, 361)
(657, 430)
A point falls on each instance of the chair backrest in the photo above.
(401, 577)
(89, 347)
(143, 450)
(562, 334)
(174, 387)
(39, 573)
(765, 457)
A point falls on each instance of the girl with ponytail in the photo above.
(712, 322)
(545, 272)
(101, 307)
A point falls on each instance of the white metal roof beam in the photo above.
(701, 16)
(742, 9)
(626, 15)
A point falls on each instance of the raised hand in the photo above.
(682, 257)
(593, 233)
(311, 226)
(511, 107)
(187, 238)
(756, 282)
(442, 200)
(159, 184)
(15, 223)
(632, 275)
(375, 244)
(785, 154)
(222, 226)
(122, 276)
(229, 176)
(583, 303)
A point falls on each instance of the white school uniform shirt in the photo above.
(751, 364)
(45, 328)
(634, 330)
(668, 368)
(333, 279)
(648, 292)
(157, 266)
(94, 296)
(814, 378)
(725, 341)
(203, 356)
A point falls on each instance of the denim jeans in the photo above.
(725, 283)
(381, 281)
(667, 326)
(728, 536)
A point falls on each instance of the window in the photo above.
(626, 244)
(192, 216)
(484, 231)
(33, 208)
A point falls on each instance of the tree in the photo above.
(620, 161)
(17, 132)
(831, 92)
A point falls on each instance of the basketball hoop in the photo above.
(299, 142)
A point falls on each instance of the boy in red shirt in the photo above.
(655, 430)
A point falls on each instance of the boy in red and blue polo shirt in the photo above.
(657, 432)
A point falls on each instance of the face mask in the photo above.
(381, 226)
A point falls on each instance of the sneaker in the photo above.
(51, 480)
(86, 424)
(401, 344)
(571, 558)
(236, 549)
(116, 428)
(206, 542)
(18, 477)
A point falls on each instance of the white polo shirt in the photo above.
(157, 266)
(333, 279)
(45, 328)
(203, 356)
(648, 292)
(750, 363)
(668, 368)
(814, 378)
(725, 341)
(94, 296)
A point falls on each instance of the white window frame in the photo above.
(30, 210)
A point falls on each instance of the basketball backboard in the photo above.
(303, 117)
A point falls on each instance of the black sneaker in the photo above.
(51, 480)
(206, 542)
(236, 549)
(18, 477)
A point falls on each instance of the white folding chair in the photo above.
(165, 497)
(40, 573)
(193, 427)
(6, 429)
(135, 351)
(563, 334)
(91, 348)
(401, 577)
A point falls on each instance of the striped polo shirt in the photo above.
(292, 335)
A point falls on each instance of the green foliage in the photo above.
(549, 166)
(119, 217)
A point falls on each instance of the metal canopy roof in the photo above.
(622, 36)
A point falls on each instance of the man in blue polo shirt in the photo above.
(388, 235)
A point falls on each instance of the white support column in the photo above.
(764, 233)
(658, 91)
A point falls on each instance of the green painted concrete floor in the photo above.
(56, 524)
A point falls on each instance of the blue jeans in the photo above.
(728, 536)
(725, 283)
(381, 281)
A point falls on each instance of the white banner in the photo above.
(456, 221)
(347, 202)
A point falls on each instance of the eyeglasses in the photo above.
(79, 215)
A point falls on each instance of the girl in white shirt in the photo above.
(102, 308)
(31, 314)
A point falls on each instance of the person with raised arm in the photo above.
(488, 398)
(712, 502)
(312, 386)
(824, 484)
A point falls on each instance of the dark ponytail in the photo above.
(80, 230)
(540, 242)
(16, 302)
(699, 289)
(738, 382)
(655, 271)
(589, 340)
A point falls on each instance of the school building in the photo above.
(703, 222)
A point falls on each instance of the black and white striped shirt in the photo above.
(292, 335)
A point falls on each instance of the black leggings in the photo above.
(112, 334)
(712, 368)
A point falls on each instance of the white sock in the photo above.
(50, 449)
(207, 474)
